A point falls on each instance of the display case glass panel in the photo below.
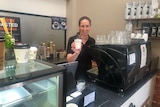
(32, 84)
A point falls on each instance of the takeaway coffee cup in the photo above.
(78, 43)
(32, 53)
(80, 85)
(2, 54)
(21, 53)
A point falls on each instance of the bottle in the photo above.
(44, 50)
(51, 49)
(54, 51)
(48, 53)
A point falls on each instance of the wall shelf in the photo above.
(154, 38)
(142, 19)
(145, 19)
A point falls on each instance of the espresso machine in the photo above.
(121, 66)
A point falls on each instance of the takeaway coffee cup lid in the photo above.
(21, 46)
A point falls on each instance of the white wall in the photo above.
(40, 7)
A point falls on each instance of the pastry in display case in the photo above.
(32, 84)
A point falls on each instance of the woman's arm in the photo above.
(72, 57)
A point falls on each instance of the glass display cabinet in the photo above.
(32, 84)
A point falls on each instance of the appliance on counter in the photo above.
(121, 66)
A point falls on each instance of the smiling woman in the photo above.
(82, 54)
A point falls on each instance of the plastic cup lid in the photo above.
(21, 46)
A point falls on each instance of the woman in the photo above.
(82, 55)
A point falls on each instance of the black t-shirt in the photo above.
(84, 58)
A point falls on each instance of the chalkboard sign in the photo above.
(35, 29)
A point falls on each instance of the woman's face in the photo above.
(84, 27)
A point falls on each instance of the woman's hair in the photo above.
(84, 18)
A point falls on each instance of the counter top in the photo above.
(106, 97)
(56, 60)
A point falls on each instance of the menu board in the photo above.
(13, 25)
(58, 23)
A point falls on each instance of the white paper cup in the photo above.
(33, 53)
(80, 85)
(21, 53)
(78, 43)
